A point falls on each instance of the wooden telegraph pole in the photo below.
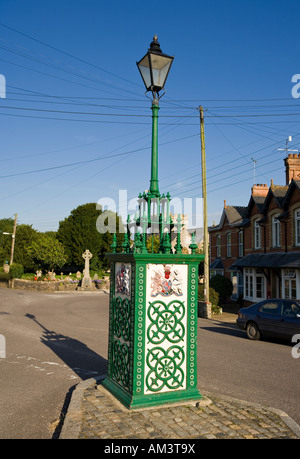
(13, 241)
(205, 228)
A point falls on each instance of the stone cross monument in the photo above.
(86, 281)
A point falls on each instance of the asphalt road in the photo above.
(54, 341)
(263, 372)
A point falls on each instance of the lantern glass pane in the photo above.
(145, 71)
(160, 69)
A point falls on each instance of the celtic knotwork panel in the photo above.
(121, 341)
(165, 368)
(166, 328)
(166, 322)
(122, 318)
(120, 363)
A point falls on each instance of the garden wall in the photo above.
(41, 286)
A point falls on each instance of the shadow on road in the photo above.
(77, 356)
(81, 359)
(225, 329)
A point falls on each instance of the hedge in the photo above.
(4, 276)
(222, 285)
(213, 295)
(16, 270)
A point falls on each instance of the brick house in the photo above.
(258, 246)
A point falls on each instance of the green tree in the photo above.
(6, 226)
(222, 285)
(153, 243)
(213, 295)
(25, 236)
(47, 253)
(79, 232)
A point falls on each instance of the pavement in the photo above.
(94, 413)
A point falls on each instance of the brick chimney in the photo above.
(260, 190)
(292, 167)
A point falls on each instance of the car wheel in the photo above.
(252, 331)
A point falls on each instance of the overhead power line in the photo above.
(146, 115)
(67, 54)
(71, 164)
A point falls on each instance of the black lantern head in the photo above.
(154, 67)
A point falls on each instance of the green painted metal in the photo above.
(153, 306)
(154, 189)
(152, 356)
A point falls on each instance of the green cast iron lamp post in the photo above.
(152, 350)
(154, 68)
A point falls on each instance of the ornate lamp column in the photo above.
(152, 351)
(154, 191)
(154, 68)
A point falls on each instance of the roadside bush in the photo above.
(4, 276)
(16, 270)
(222, 285)
(213, 295)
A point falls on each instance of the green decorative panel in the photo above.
(139, 328)
(121, 336)
(152, 351)
(166, 323)
(121, 343)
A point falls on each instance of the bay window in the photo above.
(254, 284)
(289, 284)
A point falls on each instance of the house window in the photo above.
(248, 282)
(275, 231)
(254, 282)
(289, 284)
(297, 227)
(234, 280)
(214, 272)
(237, 282)
(241, 243)
(257, 243)
(228, 240)
(260, 285)
(218, 246)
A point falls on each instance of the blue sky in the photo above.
(76, 125)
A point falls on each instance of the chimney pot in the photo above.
(260, 190)
(292, 167)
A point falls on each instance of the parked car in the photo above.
(276, 318)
